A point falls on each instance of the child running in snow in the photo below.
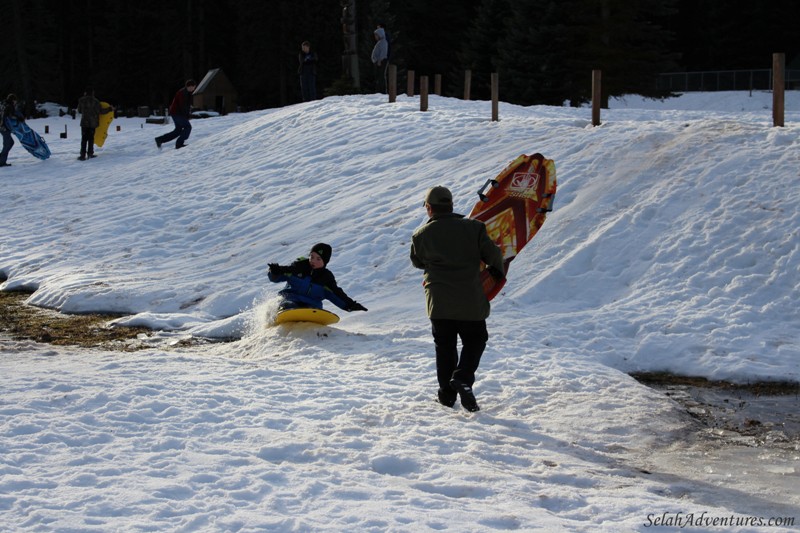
(308, 282)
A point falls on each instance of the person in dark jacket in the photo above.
(90, 110)
(180, 110)
(9, 111)
(308, 72)
(450, 248)
(308, 282)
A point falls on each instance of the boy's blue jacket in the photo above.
(309, 287)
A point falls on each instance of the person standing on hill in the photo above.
(450, 248)
(380, 58)
(180, 110)
(308, 72)
(90, 110)
(388, 40)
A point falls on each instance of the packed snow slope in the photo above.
(673, 244)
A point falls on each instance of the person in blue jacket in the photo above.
(308, 282)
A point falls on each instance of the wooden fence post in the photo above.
(423, 93)
(392, 83)
(778, 87)
(467, 84)
(410, 86)
(596, 96)
(437, 85)
(495, 97)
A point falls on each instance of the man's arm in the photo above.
(491, 254)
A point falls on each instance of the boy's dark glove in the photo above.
(355, 306)
(275, 269)
(496, 274)
(297, 268)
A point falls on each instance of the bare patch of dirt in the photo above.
(758, 413)
(20, 321)
(758, 388)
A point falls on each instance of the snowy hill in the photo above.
(674, 245)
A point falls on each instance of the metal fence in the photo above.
(725, 80)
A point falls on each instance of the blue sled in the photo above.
(32, 141)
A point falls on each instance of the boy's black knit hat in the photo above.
(323, 250)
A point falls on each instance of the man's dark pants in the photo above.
(87, 141)
(182, 130)
(449, 366)
(8, 142)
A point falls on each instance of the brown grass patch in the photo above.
(21, 321)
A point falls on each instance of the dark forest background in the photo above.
(140, 52)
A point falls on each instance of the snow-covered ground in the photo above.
(674, 245)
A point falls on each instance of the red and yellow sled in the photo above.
(514, 206)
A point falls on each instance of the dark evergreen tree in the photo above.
(268, 42)
(138, 57)
(539, 60)
(551, 48)
(482, 44)
(139, 53)
(627, 41)
(30, 51)
(736, 34)
(431, 35)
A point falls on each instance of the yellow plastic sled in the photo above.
(101, 132)
(306, 314)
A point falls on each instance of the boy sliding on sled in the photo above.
(308, 282)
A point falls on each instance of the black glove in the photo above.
(496, 274)
(355, 306)
(275, 269)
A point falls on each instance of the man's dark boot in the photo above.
(447, 397)
(468, 400)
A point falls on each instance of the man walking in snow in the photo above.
(180, 109)
(450, 248)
